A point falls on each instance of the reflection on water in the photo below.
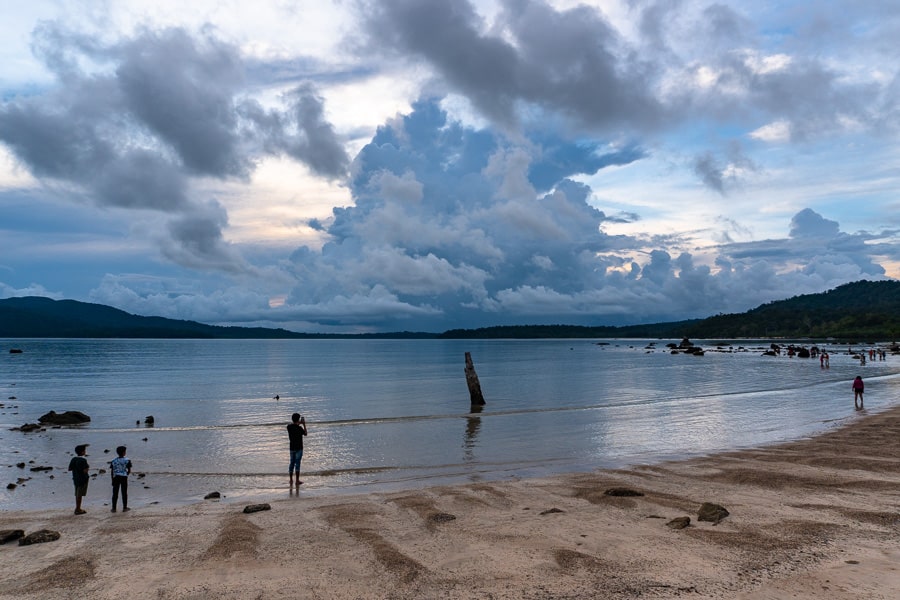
(385, 413)
(473, 424)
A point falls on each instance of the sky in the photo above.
(422, 165)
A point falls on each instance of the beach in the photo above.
(808, 519)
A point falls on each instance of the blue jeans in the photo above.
(296, 456)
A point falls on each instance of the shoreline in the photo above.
(808, 519)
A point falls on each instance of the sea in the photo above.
(388, 415)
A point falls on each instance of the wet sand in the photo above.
(817, 518)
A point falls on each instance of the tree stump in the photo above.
(472, 381)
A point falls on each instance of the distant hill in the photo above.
(37, 317)
(864, 310)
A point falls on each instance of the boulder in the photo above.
(28, 427)
(551, 511)
(41, 468)
(252, 508)
(149, 420)
(212, 496)
(711, 512)
(8, 535)
(39, 537)
(70, 417)
(441, 518)
(679, 523)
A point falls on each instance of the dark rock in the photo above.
(441, 518)
(212, 495)
(679, 522)
(11, 486)
(711, 512)
(39, 537)
(622, 492)
(28, 427)
(21, 465)
(41, 468)
(8, 535)
(551, 511)
(149, 420)
(252, 508)
(70, 417)
(15, 351)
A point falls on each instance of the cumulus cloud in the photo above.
(494, 212)
(132, 123)
(465, 238)
(809, 224)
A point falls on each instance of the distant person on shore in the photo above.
(80, 477)
(296, 431)
(858, 387)
(120, 469)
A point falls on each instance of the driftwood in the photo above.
(472, 381)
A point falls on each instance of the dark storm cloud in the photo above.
(300, 131)
(534, 62)
(183, 90)
(130, 123)
(568, 61)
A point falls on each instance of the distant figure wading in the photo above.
(858, 387)
(296, 431)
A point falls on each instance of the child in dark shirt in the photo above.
(79, 467)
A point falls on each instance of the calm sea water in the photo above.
(395, 414)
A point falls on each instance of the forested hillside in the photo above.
(859, 310)
(864, 310)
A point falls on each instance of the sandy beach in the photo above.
(816, 518)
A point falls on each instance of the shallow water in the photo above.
(393, 414)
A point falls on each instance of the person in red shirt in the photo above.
(858, 387)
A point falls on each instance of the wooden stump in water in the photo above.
(472, 381)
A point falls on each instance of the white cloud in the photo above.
(775, 132)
